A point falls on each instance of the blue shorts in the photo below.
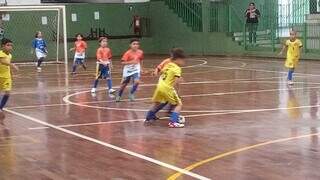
(134, 77)
(78, 61)
(102, 72)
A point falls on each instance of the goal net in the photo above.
(20, 24)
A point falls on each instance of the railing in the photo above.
(189, 10)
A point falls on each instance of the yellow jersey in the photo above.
(168, 75)
(293, 52)
(5, 69)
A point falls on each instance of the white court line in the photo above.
(142, 85)
(67, 100)
(223, 112)
(125, 151)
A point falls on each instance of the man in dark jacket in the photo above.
(252, 15)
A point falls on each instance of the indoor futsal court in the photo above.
(237, 100)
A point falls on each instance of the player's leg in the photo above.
(175, 100)
(74, 66)
(159, 103)
(135, 85)
(40, 60)
(290, 76)
(5, 86)
(83, 64)
(125, 81)
(109, 80)
(98, 76)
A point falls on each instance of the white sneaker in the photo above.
(290, 82)
(39, 69)
(93, 90)
(111, 91)
(175, 125)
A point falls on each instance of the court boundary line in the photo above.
(239, 150)
(67, 100)
(227, 112)
(110, 146)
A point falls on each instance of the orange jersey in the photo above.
(104, 54)
(163, 64)
(80, 46)
(133, 55)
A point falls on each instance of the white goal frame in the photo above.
(60, 10)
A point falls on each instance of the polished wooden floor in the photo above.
(243, 123)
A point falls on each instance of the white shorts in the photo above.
(40, 54)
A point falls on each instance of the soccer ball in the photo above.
(182, 120)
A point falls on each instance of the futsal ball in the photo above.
(182, 120)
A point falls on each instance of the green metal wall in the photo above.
(169, 27)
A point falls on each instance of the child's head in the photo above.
(178, 56)
(38, 34)
(134, 44)
(103, 41)
(6, 45)
(79, 37)
(293, 35)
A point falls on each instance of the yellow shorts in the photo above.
(291, 63)
(5, 84)
(164, 95)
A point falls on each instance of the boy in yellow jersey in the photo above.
(166, 93)
(293, 47)
(5, 72)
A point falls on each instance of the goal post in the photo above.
(20, 23)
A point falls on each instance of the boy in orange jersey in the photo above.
(80, 47)
(132, 61)
(104, 65)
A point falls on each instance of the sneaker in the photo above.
(290, 82)
(111, 91)
(39, 69)
(93, 90)
(118, 98)
(175, 125)
(151, 119)
(131, 97)
(73, 73)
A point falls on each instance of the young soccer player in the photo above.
(293, 47)
(133, 66)
(166, 91)
(5, 71)
(40, 47)
(104, 65)
(80, 47)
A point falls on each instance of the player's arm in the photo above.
(284, 48)
(33, 46)
(73, 48)
(5, 62)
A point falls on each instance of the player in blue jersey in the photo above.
(40, 47)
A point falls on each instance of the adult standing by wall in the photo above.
(252, 15)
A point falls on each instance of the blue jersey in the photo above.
(40, 45)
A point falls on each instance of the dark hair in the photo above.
(252, 4)
(5, 41)
(177, 53)
(134, 40)
(79, 34)
(102, 38)
(37, 33)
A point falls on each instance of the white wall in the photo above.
(22, 2)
